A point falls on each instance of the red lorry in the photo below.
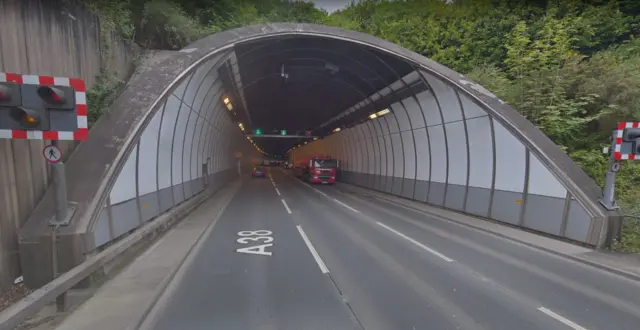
(321, 169)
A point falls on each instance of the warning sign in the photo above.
(52, 154)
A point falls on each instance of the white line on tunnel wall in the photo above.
(315, 254)
(561, 319)
(286, 206)
(426, 248)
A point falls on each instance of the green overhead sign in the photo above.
(283, 132)
(258, 131)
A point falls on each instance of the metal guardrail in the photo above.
(34, 302)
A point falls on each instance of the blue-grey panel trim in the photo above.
(495, 166)
(466, 136)
(525, 190)
(577, 227)
(544, 214)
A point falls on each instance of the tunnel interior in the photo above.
(407, 127)
(435, 145)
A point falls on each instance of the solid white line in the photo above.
(315, 254)
(286, 206)
(560, 318)
(273, 183)
(277, 191)
(345, 205)
(426, 248)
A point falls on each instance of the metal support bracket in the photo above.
(71, 210)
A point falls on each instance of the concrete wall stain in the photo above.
(44, 37)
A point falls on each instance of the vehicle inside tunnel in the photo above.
(396, 122)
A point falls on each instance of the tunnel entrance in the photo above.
(397, 123)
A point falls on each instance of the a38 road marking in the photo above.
(255, 236)
(561, 319)
(426, 248)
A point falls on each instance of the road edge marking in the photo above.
(422, 246)
(286, 206)
(277, 191)
(560, 318)
(313, 251)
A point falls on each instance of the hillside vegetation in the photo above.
(571, 67)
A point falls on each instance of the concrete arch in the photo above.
(170, 138)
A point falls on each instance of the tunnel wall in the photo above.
(442, 148)
(188, 146)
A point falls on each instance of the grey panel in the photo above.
(478, 201)
(371, 181)
(187, 189)
(436, 193)
(407, 188)
(455, 197)
(506, 207)
(388, 184)
(344, 176)
(362, 179)
(149, 206)
(577, 223)
(351, 177)
(166, 199)
(381, 183)
(396, 187)
(197, 185)
(357, 178)
(375, 180)
(544, 213)
(125, 217)
(422, 187)
(178, 193)
(101, 233)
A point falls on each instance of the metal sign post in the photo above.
(63, 211)
(608, 190)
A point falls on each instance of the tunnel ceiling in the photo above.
(324, 78)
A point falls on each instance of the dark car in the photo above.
(258, 172)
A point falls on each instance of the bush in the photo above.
(102, 94)
(165, 25)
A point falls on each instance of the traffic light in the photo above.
(27, 118)
(58, 97)
(632, 135)
(283, 132)
(10, 95)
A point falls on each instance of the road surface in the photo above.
(286, 255)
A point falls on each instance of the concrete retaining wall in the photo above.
(44, 37)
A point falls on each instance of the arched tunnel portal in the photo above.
(446, 141)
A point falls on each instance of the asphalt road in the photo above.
(286, 255)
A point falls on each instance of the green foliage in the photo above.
(114, 15)
(165, 25)
(102, 94)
